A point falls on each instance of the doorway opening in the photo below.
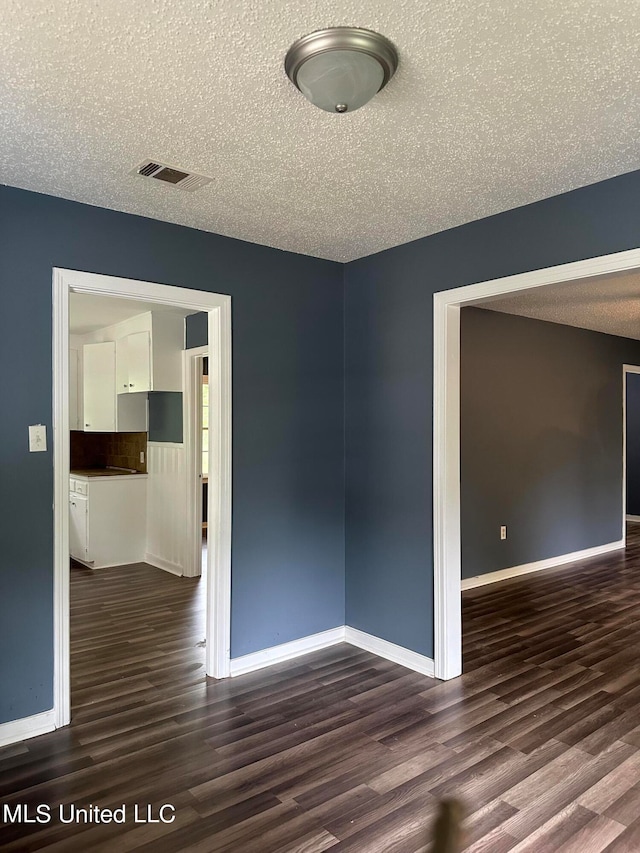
(446, 434)
(203, 435)
(630, 444)
(218, 576)
(199, 434)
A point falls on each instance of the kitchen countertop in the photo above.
(104, 472)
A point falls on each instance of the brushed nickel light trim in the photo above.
(334, 40)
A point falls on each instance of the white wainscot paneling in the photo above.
(166, 504)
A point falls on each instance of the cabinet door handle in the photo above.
(87, 424)
(131, 385)
(125, 385)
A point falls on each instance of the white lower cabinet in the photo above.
(107, 519)
(78, 526)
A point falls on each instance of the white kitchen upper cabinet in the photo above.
(99, 387)
(122, 366)
(128, 359)
(133, 360)
(139, 360)
(150, 359)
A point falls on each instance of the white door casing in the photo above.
(626, 370)
(192, 427)
(446, 434)
(218, 307)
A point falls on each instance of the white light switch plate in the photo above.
(37, 438)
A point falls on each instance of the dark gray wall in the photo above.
(633, 443)
(389, 378)
(540, 439)
(165, 416)
(288, 451)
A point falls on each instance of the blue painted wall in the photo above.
(165, 416)
(540, 439)
(288, 511)
(196, 331)
(291, 472)
(633, 443)
(389, 384)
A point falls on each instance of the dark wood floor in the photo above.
(340, 750)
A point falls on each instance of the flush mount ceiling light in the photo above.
(341, 68)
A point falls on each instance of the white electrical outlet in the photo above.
(142, 456)
(503, 531)
(37, 438)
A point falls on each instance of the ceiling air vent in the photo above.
(189, 181)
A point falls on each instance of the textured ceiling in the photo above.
(496, 103)
(609, 304)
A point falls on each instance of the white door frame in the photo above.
(446, 434)
(626, 369)
(192, 427)
(218, 618)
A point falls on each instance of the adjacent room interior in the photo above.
(127, 528)
(543, 396)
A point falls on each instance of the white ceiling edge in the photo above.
(607, 304)
(90, 312)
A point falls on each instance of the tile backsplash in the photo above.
(104, 449)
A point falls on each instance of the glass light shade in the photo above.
(341, 68)
(340, 80)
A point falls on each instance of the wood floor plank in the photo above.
(601, 796)
(627, 841)
(626, 808)
(340, 750)
(594, 836)
(560, 828)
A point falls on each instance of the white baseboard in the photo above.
(40, 724)
(634, 518)
(286, 651)
(27, 727)
(95, 568)
(540, 565)
(314, 642)
(390, 651)
(165, 565)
